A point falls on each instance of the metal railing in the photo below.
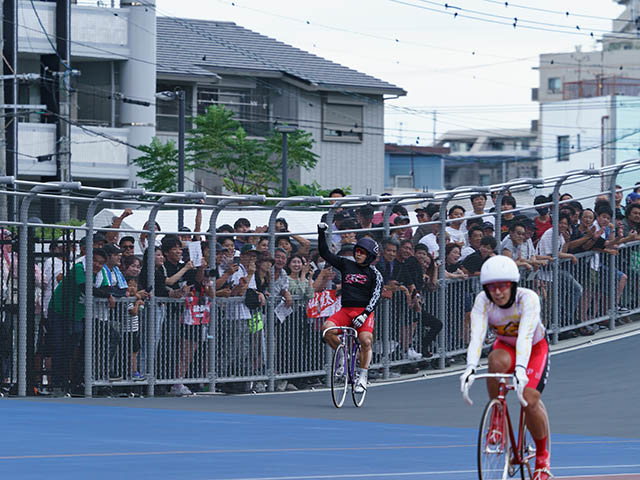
(100, 345)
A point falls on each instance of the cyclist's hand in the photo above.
(466, 380)
(322, 227)
(359, 320)
(521, 379)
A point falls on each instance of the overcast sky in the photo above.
(474, 73)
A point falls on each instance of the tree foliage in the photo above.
(159, 166)
(218, 143)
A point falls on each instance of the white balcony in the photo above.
(92, 157)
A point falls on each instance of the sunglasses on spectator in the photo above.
(126, 247)
(492, 287)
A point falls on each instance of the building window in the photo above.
(563, 148)
(250, 107)
(496, 145)
(342, 122)
(555, 85)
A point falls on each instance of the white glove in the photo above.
(322, 226)
(359, 320)
(466, 380)
(521, 379)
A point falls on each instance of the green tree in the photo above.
(296, 189)
(159, 166)
(247, 166)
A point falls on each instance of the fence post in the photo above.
(613, 284)
(218, 207)
(22, 275)
(271, 342)
(88, 292)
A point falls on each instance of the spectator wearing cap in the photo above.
(127, 245)
(111, 269)
(98, 242)
(454, 228)
(185, 235)
(633, 197)
(543, 219)
(402, 233)
(241, 225)
(488, 228)
(423, 216)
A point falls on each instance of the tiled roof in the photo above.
(199, 47)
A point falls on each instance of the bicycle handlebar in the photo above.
(503, 379)
(349, 330)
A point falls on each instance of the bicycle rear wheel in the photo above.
(358, 398)
(528, 452)
(493, 443)
(339, 372)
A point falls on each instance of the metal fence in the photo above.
(80, 339)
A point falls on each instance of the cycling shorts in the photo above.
(538, 367)
(344, 316)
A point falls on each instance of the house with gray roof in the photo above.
(266, 82)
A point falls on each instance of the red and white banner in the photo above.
(323, 304)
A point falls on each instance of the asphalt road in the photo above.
(592, 390)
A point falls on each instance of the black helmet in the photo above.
(370, 246)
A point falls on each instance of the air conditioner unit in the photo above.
(403, 181)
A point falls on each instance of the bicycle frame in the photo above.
(517, 459)
(349, 339)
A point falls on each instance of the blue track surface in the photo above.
(52, 440)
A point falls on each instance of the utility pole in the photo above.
(3, 150)
(10, 52)
(180, 94)
(285, 130)
(434, 128)
(63, 45)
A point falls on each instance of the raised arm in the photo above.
(325, 253)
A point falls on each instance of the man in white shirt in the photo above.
(431, 240)
(455, 232)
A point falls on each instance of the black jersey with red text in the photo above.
(361, 285)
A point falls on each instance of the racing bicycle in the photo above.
(502, 452)
(345, 366)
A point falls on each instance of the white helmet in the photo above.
(499, 269)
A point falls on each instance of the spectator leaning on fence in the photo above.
(432, 240)
(474, 235)
(454, 229)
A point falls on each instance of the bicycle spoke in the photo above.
(339, 375)
(358, 398)
(494, 451)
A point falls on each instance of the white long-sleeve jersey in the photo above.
(519, 325)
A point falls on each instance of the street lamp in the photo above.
(180, 96)
(285, 130)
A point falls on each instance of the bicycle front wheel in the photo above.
(358, 398)
(493, 443)
(339, 372)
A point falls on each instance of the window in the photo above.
(563, 148)
(554, 85)
(251, 107)
(342, 122)
(496, 145)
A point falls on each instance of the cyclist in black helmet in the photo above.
(361, 289)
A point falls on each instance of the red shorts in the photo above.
(343, 317)
(538, 367)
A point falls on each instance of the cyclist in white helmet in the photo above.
(520, 348)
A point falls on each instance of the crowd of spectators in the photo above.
(245, 276)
